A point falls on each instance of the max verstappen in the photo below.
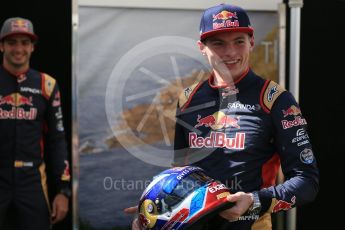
(240, 128)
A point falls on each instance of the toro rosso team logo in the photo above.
(228, 19)
(16, 101)
(217, 121)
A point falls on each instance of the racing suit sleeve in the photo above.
(180, 143)
(296, 156)
(55, 143)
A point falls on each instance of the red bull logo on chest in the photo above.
(216, 121)
(17, 101)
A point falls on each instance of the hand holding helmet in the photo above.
(181, 198)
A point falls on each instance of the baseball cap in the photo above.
(17, 25)
(223, 18)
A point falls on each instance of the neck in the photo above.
(223, 80)
(227, 79)
(16, 70)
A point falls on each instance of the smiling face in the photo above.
(228, 53)
(17, 51)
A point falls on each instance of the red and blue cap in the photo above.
(224, 18)
(17, 25)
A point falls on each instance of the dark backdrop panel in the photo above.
(322, 102)
(52, 23)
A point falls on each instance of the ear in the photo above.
(251, 41)
(202, 47)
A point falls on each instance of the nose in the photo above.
(229, 50)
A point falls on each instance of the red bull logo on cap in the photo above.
(224, 15)
(227, 18)
(20, 25)
(17, 101)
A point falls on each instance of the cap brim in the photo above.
(31, 35)
(238, 29)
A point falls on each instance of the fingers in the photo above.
(54, 211)
(233, 197)
(135, 224)
(60, 215)
(131, 210)
(59, 208)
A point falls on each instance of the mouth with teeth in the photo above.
(19, 57)
(230, 63)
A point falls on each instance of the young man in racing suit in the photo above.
(240, 127)
(32, 135)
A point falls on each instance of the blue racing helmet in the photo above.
(181, 197)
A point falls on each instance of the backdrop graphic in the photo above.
(133, 64)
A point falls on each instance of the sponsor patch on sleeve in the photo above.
(48, 84)
(186, 95)
(270, 95)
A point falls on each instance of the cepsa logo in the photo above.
(17, 101)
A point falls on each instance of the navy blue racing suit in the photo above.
(241, 136)
(31, 138)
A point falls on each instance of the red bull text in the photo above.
(217, 140)
(296, 122)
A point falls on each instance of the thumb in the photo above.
(131, 210)
(54, 209)
(232, 198)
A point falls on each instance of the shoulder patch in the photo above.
(187, 95)
(48, 84)
(270, 92)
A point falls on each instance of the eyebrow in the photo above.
(221, 40)
(19, 40)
